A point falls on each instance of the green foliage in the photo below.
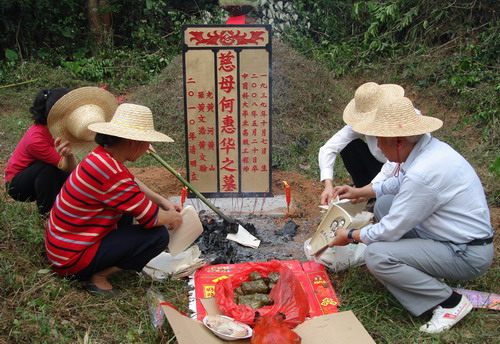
(495, 166)
(145, 36)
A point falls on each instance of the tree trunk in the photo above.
(99, 16)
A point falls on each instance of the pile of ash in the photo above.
(277, 240)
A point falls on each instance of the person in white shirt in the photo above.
(433, 218)
(363, 160)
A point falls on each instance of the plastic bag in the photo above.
(288, 295)
(339, 258)
(270, 329)
(155, 299)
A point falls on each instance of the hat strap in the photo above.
(398, 168)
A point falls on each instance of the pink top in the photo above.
(36, 144)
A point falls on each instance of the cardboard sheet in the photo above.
(335, 328)
(190, 229)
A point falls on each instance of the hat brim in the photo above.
(351, 116)
(420, 125)
(58, 119)
(118, 130)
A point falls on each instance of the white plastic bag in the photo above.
(339, 258)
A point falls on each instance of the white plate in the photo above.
(225, 336)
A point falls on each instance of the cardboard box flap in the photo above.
(334, 328)
(190, 331)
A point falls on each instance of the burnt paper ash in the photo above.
(288, 231)
(213, 243)
(216, 249)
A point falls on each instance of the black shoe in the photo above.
(95, 290)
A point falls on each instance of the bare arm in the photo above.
(168, 213)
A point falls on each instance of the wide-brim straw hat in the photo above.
(72, 113)
(366, 100)
(396, 117)
(131, 121)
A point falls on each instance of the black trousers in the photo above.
(39, 182)
(128, 247)
(360, 163)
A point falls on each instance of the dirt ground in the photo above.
(305, 193)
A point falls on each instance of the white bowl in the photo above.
(225, 336)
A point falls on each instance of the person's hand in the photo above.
(63, 148)
(169, 205)
(151, 149)
(173, 219)
(340, 238)
(345, 192)
(327, 195)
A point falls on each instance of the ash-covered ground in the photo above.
(281, 239)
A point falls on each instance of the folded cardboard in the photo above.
(190, 229)
(332, 328)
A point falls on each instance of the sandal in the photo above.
(95, 290)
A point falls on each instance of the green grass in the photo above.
(388, 322)
(37, 306)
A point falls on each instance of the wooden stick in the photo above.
(196, 192)
(18, 84)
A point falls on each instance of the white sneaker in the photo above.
(444, 318)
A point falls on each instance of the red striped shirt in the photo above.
(88, 207)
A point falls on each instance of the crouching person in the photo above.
(90, 234)
(434, 221)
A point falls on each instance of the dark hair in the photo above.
(44, 100)
(107, 140)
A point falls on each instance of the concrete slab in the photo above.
(271, 206)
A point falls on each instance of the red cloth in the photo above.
(236, 20)
(89, 206)
(36, 144)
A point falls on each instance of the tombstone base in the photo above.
(270, 206)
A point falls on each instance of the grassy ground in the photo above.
(36, 306)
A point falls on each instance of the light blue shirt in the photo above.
(437, 193)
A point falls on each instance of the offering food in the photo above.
(255, 293)
(227, 328)
(253, 287)
(255, 301)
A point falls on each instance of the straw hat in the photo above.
(73, 112)
(131, 121)
(366, 99)
(396, 117)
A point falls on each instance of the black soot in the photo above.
(277, 240)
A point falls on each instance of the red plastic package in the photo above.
(288, 295)
(270, 329)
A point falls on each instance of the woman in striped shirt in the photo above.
(89, 233)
